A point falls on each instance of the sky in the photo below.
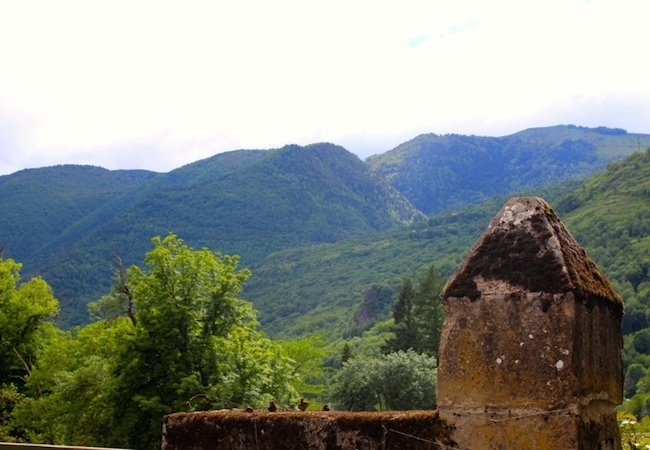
(158, 84)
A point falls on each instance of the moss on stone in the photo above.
(519, 252)
(306, 430)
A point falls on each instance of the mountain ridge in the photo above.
(442, 172)
(257, 203)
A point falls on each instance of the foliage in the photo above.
(396, 381)
(69, 391)
(404, 316)
(610, 216)
(24, 311)
(308, 355)
(635, 434)
(192, 344)
(39, 204)
(10, 397)
(266, 201)
(272, 201)
(193, 335)
(321, 288)
(418, 315)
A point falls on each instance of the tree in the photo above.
(175, 337)
(346, 353)
(193, 339)
(75, 381)
(632, 376)
(429, 312)
(401, 381)
(307, 355)
(24, 312)
(641, 341)
(418, 315)
(405, 326)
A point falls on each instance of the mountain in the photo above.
(323, 231)
(438, 173)
(39, 204)
(322, 287)
(328, 287)
(249, 203)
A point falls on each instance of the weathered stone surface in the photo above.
(531, 346)
(237, 430)
(527, 248)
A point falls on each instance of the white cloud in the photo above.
(157, 84)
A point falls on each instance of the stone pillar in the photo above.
(530, 354)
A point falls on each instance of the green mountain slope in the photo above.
(329, 287)
(252, 205)
(610, 213)
(439, 173)
(319, 228)
(321, 288)
(212, 168)
(39, 204)
(193, 174)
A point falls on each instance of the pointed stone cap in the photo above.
(527, 248)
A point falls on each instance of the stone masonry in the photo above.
(531, 345)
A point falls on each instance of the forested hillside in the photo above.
(253, 204)
(69, 223)
(443, 172)
(321, 288)
(332, 288)
(39, 204)
(610, 214)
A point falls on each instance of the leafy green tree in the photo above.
(397, 381)
(255, 370)
(308, 365)
(175, 337)
(346, 353)
(24, 312)
(642, 341)
(70, 391)
(9, 399)
(632, 376)
(193, 338)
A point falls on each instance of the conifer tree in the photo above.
(418, 315)
(405, 337)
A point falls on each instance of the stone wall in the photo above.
(240, 430)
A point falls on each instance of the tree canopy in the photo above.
(184, 341)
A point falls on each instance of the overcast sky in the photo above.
(156, 84)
